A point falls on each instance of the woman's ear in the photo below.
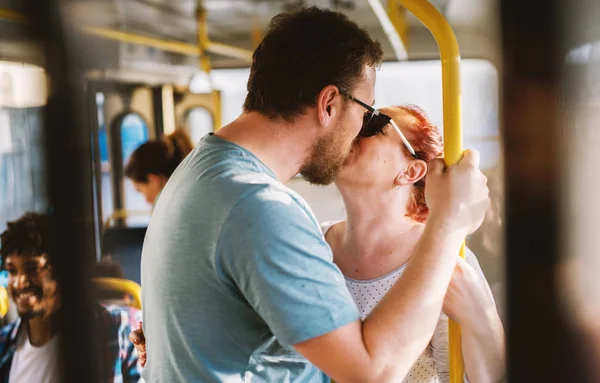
(414, 172)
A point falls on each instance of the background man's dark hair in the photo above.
(302, 52)
(28, 235)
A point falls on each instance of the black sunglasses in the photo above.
(374, 122)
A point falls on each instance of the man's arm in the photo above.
(385, 346)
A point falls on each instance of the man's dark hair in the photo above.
(304, 51)
(28, 235)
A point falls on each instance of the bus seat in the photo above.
(124, 245)
(123, 286)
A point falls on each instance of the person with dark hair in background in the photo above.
(239, 284)
(153, 162)
(29, 346)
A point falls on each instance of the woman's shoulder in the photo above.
(327, 225)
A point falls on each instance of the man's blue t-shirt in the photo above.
(235, 270)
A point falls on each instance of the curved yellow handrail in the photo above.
(122, 285)
(450, 56)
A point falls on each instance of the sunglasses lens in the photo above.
(373, 124)
(365, 131)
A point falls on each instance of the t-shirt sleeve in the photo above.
(471, 259)
(274, 252)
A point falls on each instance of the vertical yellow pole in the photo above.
(397, 16)
(450, 56)
(203, 41)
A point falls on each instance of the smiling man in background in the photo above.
(29, 346)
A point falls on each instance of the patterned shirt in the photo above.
(116, 352)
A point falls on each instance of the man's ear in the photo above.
(329, 104)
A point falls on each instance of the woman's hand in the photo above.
(470, 303)
(139, 341)
(469, 300)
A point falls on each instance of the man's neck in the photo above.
(41, 329)
(282, 146)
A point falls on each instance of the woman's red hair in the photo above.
(426, 140)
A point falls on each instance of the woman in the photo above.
(383, 187)
(153, 162)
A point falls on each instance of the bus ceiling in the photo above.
(137, 35)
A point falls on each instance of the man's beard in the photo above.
(325, 161)
(31, 313)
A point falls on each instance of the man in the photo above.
(238, 281)
(29, 346)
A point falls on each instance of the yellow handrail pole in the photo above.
(206, 45)
(169, 45)
(450, 56)
(122, 285)
(12, 16)
(137, 39)
(203, 43)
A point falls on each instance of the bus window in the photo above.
(22, 165)
(107, 202)
(134, 132)
(102, 137)
(199, 122)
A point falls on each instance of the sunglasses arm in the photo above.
(406, 143)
